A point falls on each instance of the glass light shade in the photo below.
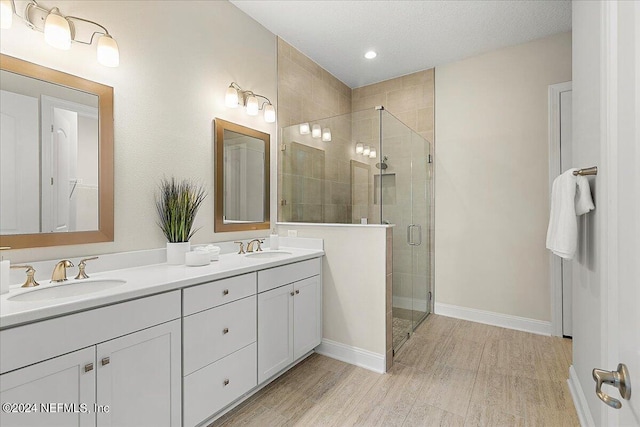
(269, 113)
(373, 154)
(57, 31)
(370, 54)
(108, 53)
(305, 129)
(359, 148)
(231, 97)
(6, 14)
(366, 151)
(326, 135)
(316, 131)
(252, 106)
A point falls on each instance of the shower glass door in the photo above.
(405, 190)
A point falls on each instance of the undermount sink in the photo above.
(67, 289)
(267, 254)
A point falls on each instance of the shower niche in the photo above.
(374, 170)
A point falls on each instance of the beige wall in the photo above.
(492, 200)
(353, 274)
(175, 66)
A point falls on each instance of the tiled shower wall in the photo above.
(307, 92)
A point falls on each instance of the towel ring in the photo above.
(586, 171)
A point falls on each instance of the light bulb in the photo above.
(231, 97)
(304, 129)
(57, 31)
(316, 131)
(359, 148)
(372, 154)
(366, 150)
(326, 135)
(108, 53)
(6, 14)
(252, 106)
(370, 54)
(269, 113)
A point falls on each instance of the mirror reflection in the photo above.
(49, 157)
(242, 174)
(56, 157)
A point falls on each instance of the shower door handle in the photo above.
(410, 240)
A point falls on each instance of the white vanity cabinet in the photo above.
(289, 315)
(110, 366)
(219, 342)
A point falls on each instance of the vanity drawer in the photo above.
(215, 333)
(212, 388)
(208, 295)
(278, 276)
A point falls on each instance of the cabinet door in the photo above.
(307, 315)
(275, 331)
(67, 380)
(139, 378)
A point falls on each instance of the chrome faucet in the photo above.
(258, 242)
(60, 271)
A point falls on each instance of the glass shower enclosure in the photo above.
(366, 167)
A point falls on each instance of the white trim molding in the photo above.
(579, 399)
(525, 324)
(353, 355)
(555, 262)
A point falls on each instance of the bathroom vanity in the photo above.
(172, 346)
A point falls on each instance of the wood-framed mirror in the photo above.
(56, 149)
(241, 177)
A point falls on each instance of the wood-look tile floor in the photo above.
(450, 373)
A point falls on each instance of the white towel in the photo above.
(566, 203)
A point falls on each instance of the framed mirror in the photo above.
(56, 154)
(241, 177)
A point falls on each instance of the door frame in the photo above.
(555, 262)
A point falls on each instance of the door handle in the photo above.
(419, 234)
(618, 378)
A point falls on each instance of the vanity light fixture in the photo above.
(59, 30)
(236, 96)
(373, 154)
(370, 54)
(366, 151)
(7, 9)
(326, 135)
(305, 129)
(359, 148)
(316, 131)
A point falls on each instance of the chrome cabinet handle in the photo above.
(105, 361)
(88, 367)
(618, 378)
(225, 331)
(225, 292)
(225, 382)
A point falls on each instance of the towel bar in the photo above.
(587, 171)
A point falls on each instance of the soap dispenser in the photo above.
(274, 242)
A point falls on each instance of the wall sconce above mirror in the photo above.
(241, 178)
(60, 30)
(56, 154)
(236, 96)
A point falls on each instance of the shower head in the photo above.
(383, 164)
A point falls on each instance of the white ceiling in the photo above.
(407, 35)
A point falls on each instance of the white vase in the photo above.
(176, 251)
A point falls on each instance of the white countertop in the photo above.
(141, 281)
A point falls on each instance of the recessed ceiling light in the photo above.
(370, 55)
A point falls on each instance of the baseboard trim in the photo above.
(496, 319)
(353, 355)
(579, 399)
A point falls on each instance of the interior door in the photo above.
(624, 277)
(19, 145)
